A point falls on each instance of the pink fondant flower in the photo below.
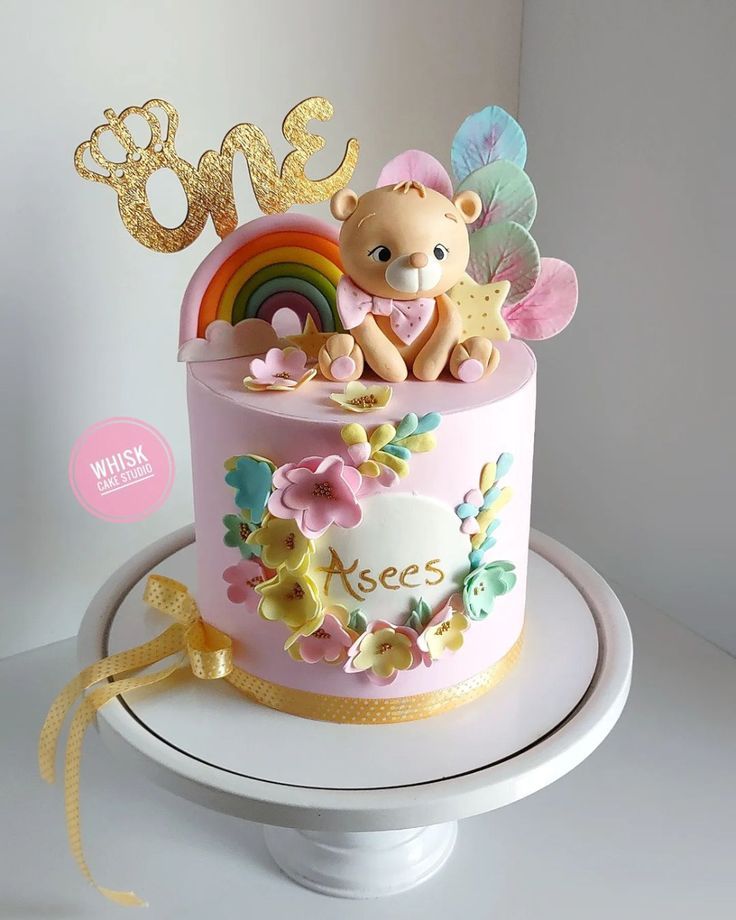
(382, 651)
(331, 641)
(242, 580)
(317, 492)
(279, 370)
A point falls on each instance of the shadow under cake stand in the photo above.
(368, 810)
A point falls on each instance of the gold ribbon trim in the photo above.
(209, 654)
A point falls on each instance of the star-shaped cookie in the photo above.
(480, 308)
(310, 340)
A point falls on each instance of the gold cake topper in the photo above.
(209, 186)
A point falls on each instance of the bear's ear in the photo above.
(469, 205)
(344, 203)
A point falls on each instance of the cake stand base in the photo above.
(361, 865)
(340, 819)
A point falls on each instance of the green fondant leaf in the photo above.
(406, 426)
(357, 621)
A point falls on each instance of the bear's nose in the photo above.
(418, 260)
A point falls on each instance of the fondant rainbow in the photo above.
(281, 261)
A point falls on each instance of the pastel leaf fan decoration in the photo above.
(505, 252)
(506, 192)
(418, 166)
(488, 135)
(549, 306)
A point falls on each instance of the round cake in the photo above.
(415, 548)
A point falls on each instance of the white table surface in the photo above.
(645, 828)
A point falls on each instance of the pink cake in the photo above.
(361, 411)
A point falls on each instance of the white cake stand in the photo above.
(365, 811)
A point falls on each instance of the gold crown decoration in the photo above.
(209, 186)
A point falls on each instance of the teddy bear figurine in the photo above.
(403, 247)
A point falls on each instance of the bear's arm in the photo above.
(433, 358)
(380, 354)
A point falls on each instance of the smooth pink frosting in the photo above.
(479, 422)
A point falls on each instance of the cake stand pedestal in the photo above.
(363, 811)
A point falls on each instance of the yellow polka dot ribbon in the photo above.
(209, 655)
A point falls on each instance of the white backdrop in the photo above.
(91, 317)
(629, 112)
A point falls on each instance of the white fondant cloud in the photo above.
(248, 337)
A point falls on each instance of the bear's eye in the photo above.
(440, 252)
(380, 254)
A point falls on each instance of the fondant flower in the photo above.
(251, 479)
(237, 531)
(243, 580)
(482, 586)
(444, 632)
(280, 542)
(279, 369)
(316, 493)
(469, 510)
(360, 398)
(382, 651)
(292, 598)
(330, 642)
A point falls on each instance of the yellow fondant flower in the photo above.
(444, 632)
(283, 544)
(360, 398)
(384, 650)
(292, 598)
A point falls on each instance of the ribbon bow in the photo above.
(209, 653)
(408, 317)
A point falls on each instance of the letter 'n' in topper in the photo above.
(208, 187)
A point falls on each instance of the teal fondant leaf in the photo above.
(397, 450)
(407, 426)
(490, 497)
(428, 422)
(488, 135)
(506, 193)
(466, 510)
(505, 252)
(503, 464)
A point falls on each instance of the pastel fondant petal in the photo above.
(506, 193)
(469, 526)
(466, 510)
(419, 166)
(550, 304)
(503, 464)
(474, 497)
(488, 135)
(505, 252)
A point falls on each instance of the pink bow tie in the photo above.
(408, 317)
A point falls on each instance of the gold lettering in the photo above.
(409, 570)
(337, 567)
(387, 573)
(367, 582)
(430, 567)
